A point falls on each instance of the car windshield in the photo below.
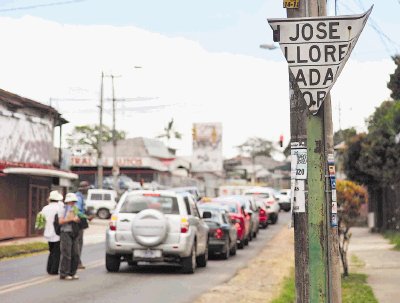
(136, 203)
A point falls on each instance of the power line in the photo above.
(40, 5)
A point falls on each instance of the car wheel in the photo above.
(265, 225)
(287, 210)
(225, 254)
(241, 244)
(189, 263)
(232, 251)
(112, 263)
(202, 259)
(255, 235)
(275, 219)
(103, 213)
(246, 241)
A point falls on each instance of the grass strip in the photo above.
(394, 238)
(354, 290)
(9, 251)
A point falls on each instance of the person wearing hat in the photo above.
(49, 212)
(68, 219)
(81, 195)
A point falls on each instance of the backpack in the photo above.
(57, 226)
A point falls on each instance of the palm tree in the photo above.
(170, 132)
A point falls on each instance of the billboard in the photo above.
(207, 147)
(25, 138)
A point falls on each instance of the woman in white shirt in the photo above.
(49, 212)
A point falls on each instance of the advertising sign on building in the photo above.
(207, 147)
(316, 49)
(25, 138)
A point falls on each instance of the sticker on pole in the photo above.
(298, 153)
(316, 49)
(291, 3)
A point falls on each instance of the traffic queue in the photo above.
(178, 227)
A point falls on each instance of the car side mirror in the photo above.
(207, 215)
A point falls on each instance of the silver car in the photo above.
(157, 226)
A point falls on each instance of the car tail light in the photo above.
(184, 225)
(262, 212)
(151, 195)
(113, 223)
(219, 233)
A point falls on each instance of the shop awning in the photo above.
(44, 172)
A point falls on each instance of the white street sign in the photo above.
(316, 49)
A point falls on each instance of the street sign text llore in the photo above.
(316, 49)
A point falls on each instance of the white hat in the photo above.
(71, 197)
(55, 196)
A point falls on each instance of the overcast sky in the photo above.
(200, 60)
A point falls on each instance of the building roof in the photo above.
(16, 101)
(139, 147)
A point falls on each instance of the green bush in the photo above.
(394, 237)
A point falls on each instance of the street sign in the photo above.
(291, 3)
(316, 49)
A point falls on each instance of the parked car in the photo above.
(222, 233)
(284, 199)
(263, 214)
(190, 189)
(240, 218)
(267, 196)
(157, 226)
(101, 202)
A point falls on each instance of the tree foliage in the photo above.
(256, 146)
(394, 82)
(350, 197)
(344, 135)
(374, 158)
(88, 135)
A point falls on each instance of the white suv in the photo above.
(267, 196)
(157, 226)
(101, 202)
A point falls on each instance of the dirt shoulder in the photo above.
(260, 280)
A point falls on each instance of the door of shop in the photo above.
(37, 200)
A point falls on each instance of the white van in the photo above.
(101, 202)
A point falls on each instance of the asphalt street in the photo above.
(25, 280)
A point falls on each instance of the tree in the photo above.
(88, 135)
(343, 135)
(254, 147)
(394, 83)
(350, 197)
(170, 132)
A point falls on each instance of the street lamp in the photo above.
(269, 46)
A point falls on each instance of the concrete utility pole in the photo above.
(99, 141)
(316, 242)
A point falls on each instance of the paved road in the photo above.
(23, 280)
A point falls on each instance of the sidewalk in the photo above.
(382, 264)
(96, 233)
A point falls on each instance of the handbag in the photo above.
(57, 226)
(83, 223)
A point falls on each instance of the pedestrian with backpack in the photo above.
(49, 212)
(69, 222)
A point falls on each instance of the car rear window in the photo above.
(259, 195)
(135, 203)
(215, 214)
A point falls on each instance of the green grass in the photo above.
(9, 251)
(354, 290)
(394, 237)
(288, 291)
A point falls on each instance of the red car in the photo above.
(239, 217)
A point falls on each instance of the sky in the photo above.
(200, 62)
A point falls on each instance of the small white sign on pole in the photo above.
(316, 49)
